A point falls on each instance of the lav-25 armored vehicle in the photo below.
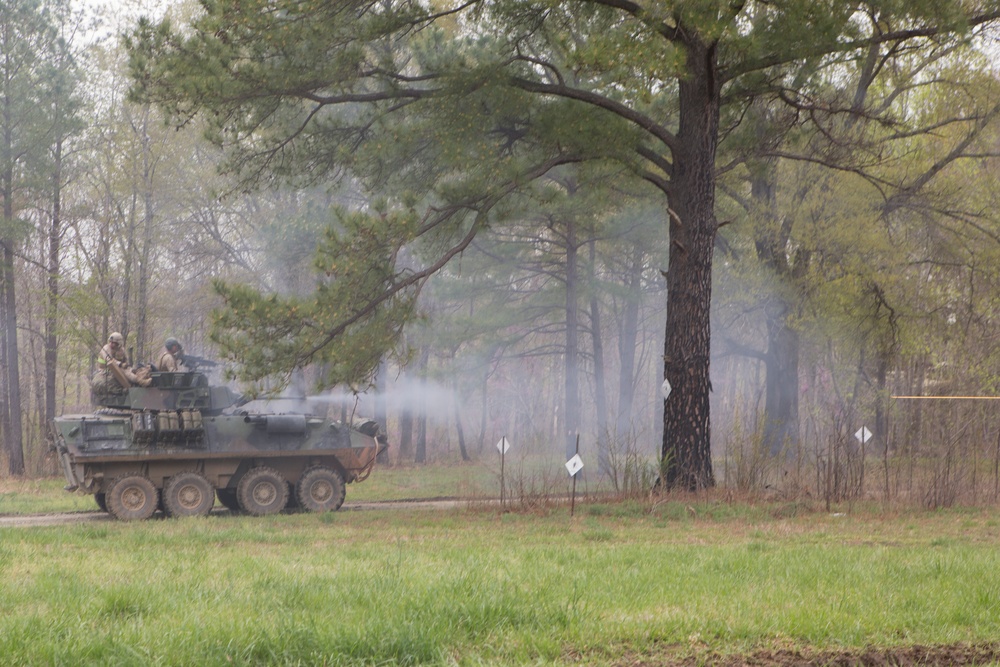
(179, 442)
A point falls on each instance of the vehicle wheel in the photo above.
(188, 494)
(321, 489)
(262, 491)
(102, 501)
(132, 498)
(228, 499)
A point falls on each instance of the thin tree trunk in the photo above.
(4, 386)
(124, 324)
(571, 421)
(52, 294)
(458, 426)
(781, 360)
(14, 436)
(381, 412)
(600, 393)
(145, 250)
(10, 393)
(421, 454)
(484, 409)
(628, 334)
(405, 435)
(781, 404)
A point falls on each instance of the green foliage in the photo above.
(247, 63)
(351, 321)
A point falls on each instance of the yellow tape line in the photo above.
(951, 398)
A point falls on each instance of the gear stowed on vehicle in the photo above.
(178, 443)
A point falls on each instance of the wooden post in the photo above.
(572, 501)
(503, 454)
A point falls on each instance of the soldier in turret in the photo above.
(170, 359)
(114, 350)
(113, 354)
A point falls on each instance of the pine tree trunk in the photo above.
(687, 455)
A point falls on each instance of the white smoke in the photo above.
(434, 400)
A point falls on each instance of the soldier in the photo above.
(114, 350)
(112, 354)
(170, 356)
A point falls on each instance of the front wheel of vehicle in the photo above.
(321, 489)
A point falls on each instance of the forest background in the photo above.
(855, 264)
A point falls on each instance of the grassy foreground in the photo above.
(614, 584)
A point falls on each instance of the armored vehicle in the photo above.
(178, 443)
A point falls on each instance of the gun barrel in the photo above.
(193, 361)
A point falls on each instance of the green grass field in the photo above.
(677, 581)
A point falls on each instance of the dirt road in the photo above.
(64, 518)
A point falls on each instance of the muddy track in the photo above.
(900, 656)
(64, 518)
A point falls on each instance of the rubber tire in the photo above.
(188, 494)
(227, 497)
(262, 491)
(102, 501)
(321, 489)
(132, 498)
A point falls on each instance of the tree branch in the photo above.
(482, 207)
(601, 102)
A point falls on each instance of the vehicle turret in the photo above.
(173, 391)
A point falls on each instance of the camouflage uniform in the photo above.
(113, 352)
(169, 361)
